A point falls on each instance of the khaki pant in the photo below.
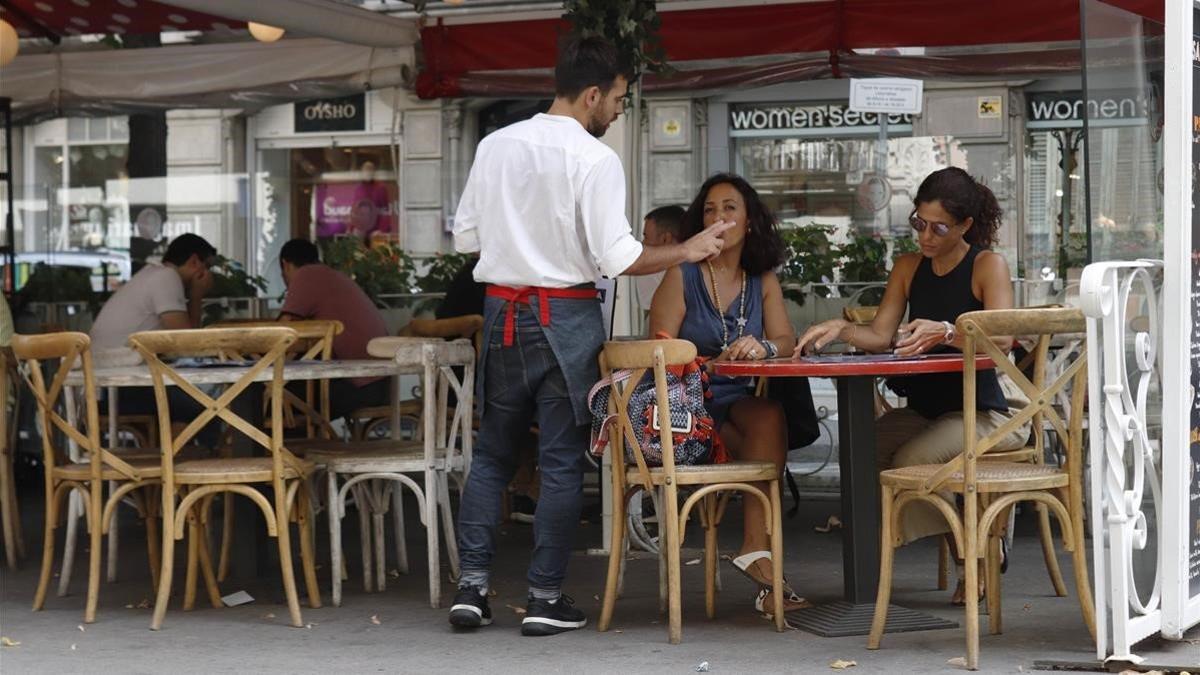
(904, 438)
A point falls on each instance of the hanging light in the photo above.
(9, 43)
(264, 33)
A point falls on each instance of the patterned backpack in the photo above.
(694, 436)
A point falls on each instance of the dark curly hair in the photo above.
(764, 249)
(963, 197)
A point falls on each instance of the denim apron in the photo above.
(576, 335)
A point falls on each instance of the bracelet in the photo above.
(772, 350)
(950, 334)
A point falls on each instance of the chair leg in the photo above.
(616, 555)
(284, 540)
(1046, 534)
(431, 530)
(206, 562)
(378, 503)
(776, 516)
(362, 503)
(662, 551)
(992, 585)
(167, 568)
(398, 528)
(7, 503)
(333, 510)
(113, 539)
(971, 577)
(887, 554)
(943, 572)
(1079, 560)
(710, 556)
(153, 546)
(68, 564)
(96, 542)
(226, 537)
(674, 610)
(447, 523)
(193, 560)
(307, 550)
(52, 505)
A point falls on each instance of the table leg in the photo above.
(860, 533)
(113, 538)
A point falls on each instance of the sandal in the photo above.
(745, 565)
(791, 601)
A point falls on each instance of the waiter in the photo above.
(544, 206)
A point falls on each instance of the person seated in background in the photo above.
(956, 219)
(317, 291)
(731, 307)
(661, 227)
(168, 296)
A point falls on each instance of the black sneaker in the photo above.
(543, 617)
(470, 608)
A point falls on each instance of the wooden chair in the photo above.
(366, 420)
(708, 481)
(995, 486)
(377, 471)
(134, 477)
(10, 514)
(196, 482)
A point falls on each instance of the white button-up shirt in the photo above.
(545, 206)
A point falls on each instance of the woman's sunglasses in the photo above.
(919, 224)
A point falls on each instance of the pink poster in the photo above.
(354, 208)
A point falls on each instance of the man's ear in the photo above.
(592, 96)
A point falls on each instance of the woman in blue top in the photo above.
(731, 308)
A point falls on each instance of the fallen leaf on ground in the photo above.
(72, 647)
(596, 597)
(841, 664)
(6, 642)
(269, 615)
(1026, 607)
(309, 626)
(618, 630)
(515, 609)
(395, 574)
(833, 523)
(694, 561)
(81, 628)
(144, 604)
(375, 619)
(703, 667)
(128, 606)
(959, 661)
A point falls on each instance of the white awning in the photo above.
(246, 75)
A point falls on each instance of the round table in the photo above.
(855, 377)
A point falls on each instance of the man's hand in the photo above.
(707, 244)
(201, 284)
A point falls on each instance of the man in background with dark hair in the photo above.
(544, 206)
(317, 291)
(663, 226)
(168, 296)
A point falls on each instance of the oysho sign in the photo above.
(827, 116)
(346, 113)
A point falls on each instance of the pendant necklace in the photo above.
(741, 320)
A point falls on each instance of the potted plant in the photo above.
(231, 284)
(386, 273)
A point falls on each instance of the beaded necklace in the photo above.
(741, 320)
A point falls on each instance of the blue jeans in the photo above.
(524, 383)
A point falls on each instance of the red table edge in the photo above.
(951, 363)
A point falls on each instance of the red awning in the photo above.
(42, 18)
(461, 59)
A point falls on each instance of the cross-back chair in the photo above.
(707, 481)
(10, 514)
(135, 477)
(196, 482)
(989, 489)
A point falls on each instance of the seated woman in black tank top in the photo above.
(955, 219)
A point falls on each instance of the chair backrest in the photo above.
(465, 326)
(67, 350)
(272, 343)
(861, 315)
(640, 356)
(979, 329)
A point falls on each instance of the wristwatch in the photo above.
(950, 334)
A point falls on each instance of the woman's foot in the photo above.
(765, 601)
(959, 598)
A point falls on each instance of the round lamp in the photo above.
(264, 33)
(9, 43)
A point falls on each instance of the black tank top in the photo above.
(943, 298)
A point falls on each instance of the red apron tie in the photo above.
(521, 295)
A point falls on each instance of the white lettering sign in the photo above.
(805, 117)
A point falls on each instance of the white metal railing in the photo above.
(1121, 301)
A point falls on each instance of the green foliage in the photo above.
(902, 245)
(58, 283)
(631, 25)
(230, 280)
(442, 269)
(864, 259)
(379, 270)
(811, 259)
